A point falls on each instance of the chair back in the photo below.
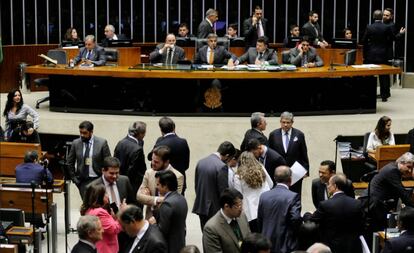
(111, 55)
(364, 146)
(286, 57)
(221, 41)
(57, 54)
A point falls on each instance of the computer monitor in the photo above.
(344, 43)
(293, 41)
(69, 43)
(14, 215)
(119, 43)
(184, 42)
(237, 42)
(350, 57)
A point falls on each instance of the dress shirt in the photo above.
(283, 137)
(108, 190)
(91, 171)
(228, 219)
(139, 235)
(259, 28)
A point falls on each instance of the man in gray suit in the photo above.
(206, 203)
(91, 53)
(214, 54)
(88, 153)
(168, 52)
(305, 56)
(260, 54)
(278, 215)
(225, 231)
(173, 211)
(206, 26)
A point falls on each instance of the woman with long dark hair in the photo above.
(71, 35)
(381, 136)
(16, 112)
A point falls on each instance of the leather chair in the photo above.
(286, 57)
(111, 55)
(60, 56)
(369, 164)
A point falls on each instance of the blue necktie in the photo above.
(287, 140)
(89, 54)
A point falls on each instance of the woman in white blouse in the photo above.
(381, 136)
(251, 180)
(15, 113)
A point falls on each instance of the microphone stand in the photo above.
(47, 183)
(33, 186)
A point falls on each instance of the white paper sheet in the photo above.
(298, 171)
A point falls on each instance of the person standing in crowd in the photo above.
(72, 35)
(130, 152)
(305, 56)
(207, 25)
(290, 143)
(388, 19)
(259, 55)
(376, 40)
(228, 172)
(91, 53)
(88, 152)
(312, 29)
(405, 241)
(30, 170)
(254, 27)
(258, 125)
(256, 243)
(111, 35)
(381, 136)
(168, 52)
(90, 232)
(16, 112)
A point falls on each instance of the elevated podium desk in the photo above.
(389, 153)
(156, 90)
(12, 154)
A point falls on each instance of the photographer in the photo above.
(25, 133)
(31, 170)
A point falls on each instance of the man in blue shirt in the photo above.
(30, 170)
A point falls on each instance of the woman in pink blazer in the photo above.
(96, 202)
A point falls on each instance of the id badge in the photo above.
(88, 161)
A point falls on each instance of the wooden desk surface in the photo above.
(58, 184)
(125, 72)
(364, 185)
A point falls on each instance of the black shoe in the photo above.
(384, 99)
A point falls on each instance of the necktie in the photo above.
(211, 56)
(260, 56)
(287, 140)
(113, 196)
(169, 57)
(261, 159)
(86, 161)
(89, 54)
(236, 229)
(304, 59)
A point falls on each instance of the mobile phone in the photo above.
(114, 207)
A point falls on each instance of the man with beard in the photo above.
(312, 29)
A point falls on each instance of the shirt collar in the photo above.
(171, 133)
(289, 132)
(143, 230)
(208, 20)
(106, 183)
(228, 220)
(132, 137)
(283, 185)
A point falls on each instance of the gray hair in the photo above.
(110, 27)
(282, 174)
(211, 35)
(256, 118)
(90, 37)
(211, 12)
(406, 158)
(286, 115)
(318, 248)
(85, 224)
(138, 127)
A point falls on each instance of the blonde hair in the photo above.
(251, 170)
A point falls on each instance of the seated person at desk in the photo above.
(168, 52)
(260, 54)
(111, 35)
(72, 35)
(25, 133)
(91, 53)
(381, 136)
(231, 31)
(214, 54)
(31, 170)
(405, 241)
(347, 33)
(305, 56)
(294, 33)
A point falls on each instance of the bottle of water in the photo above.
(71, 63)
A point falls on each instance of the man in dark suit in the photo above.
(30, 170)
(290, 143)
(111, 35)
(340, 218)
(206, 203)
(258, 124)
(312, 29)
(167, 53)
(267, 156)
(410, 140)
(214, 54)
(144, 237)
(173, 211)
(402, 243)
(90, 231)
(180, 151)
(88, 152)
(254, 27)
(91, 53)
(227, 173)
(327, 169)
(130, 152)
(225, 231)
(260, 54)
(278, 214)
(206, 26)
(377, 38)
(386, 188)
(305, 56)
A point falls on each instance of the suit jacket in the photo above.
(205, 182)
(124, 189)
(410, 140)
(131, 156)
(218, 236)
(156, 57)
(26, 172)
(105, 41)
(378, 36)
(251, 55)
(309, 30)
(220, 55)
(150, 182)
(99, 153)
(171, 221)
(312, 55)
(297, 150)
(204, 29)
(250, 31)
(340, 221)
(151, 242)
(399, 244)
(278, 218)
(319, 190)
(97, 58)
(273, 160)
(82, 247)
(253, 134)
